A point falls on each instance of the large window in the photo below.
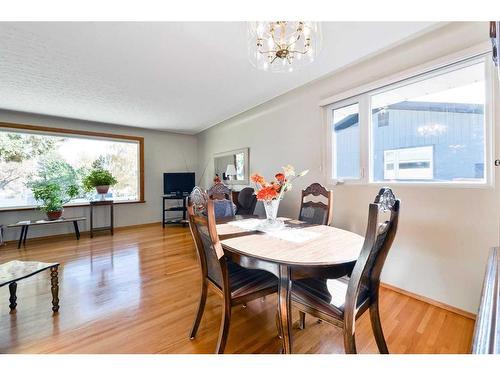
(432, 128)
(27, 155)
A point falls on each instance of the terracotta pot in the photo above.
(102, 189)
(54, 215)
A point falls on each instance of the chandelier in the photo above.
(283, 46)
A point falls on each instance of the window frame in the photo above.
(331, 139)
(46, 130)
(363, 94)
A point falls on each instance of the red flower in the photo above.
(275, 186)
(280, 177)
(258, 179)
(267, 193)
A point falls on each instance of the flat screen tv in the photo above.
(180, 184)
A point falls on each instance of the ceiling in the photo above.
(178, 76)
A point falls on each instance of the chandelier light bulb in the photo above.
(283, 44)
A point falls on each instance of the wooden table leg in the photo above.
(54, 280)
(77, 231)
(21, 236)
(285, 307)
(13, 297)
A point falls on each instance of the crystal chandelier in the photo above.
(283, 46)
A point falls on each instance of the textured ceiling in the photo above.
(179, 76)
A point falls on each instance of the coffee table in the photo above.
(13, 271)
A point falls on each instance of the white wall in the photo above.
(163, 152)
(444, 234)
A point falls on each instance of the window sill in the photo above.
(11, 209)
(452, 185)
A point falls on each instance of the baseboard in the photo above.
(72, 234)
(430, 301)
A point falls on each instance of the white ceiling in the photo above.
(179, 76)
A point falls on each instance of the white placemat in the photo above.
(246, 224)
(295, 235)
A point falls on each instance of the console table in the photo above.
(28, 223)
(110, 227)
(182, 209)
(13, 271)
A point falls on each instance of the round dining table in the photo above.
(297, 251)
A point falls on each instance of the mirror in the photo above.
(232, 166)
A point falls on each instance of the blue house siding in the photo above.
(457, 139)
(348, 158)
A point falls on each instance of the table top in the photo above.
(307, 245)
(42, 222)
(16, 270)
(102, 202)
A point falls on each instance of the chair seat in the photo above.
(244, 282)
(326, 296)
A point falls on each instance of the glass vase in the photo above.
(271, 208)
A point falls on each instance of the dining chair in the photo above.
(316, 212)
(235, 284)
(341, 301)
(247, 200)
(223, 200)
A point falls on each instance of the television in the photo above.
(179, 184)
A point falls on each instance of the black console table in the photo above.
(110, 227)
(182, 209)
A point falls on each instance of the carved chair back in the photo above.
(365, 278)
(204, 231)
(315, 212)
(219, 191)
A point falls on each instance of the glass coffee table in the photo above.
(13, 271)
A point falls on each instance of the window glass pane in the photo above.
(26, 157)
(432, 129)
(346, 146)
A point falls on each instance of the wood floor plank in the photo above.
(137, 292)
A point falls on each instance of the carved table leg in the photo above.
(54, 280)
(285, 307)
(13, 297)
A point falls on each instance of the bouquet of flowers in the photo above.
(267, 191)
(271, 193)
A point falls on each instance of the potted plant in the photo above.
(53, 197)
(99, 178)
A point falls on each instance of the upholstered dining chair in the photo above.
(341, 301)
(235, 284)
(315, 212)
(246, 201)
(223, 200)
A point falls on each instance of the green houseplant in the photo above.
(53, 197)
(99, 178)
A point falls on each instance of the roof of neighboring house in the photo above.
(353, 119)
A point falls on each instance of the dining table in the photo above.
(295, 251)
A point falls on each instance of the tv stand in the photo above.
(182, 209)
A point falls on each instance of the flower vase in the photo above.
(271, 207)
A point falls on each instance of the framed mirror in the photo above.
(232, 166)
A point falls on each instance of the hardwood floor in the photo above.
(137, 292)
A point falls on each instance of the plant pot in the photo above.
(102, 189)
(54, 215)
